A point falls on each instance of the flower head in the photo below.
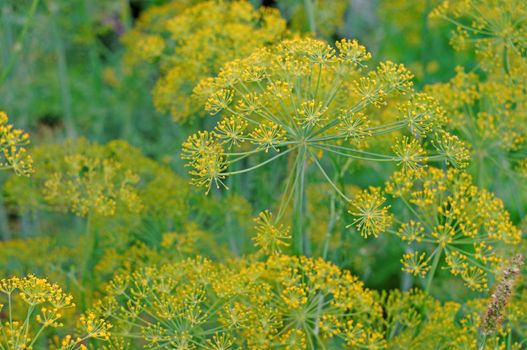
(270, 237)
(455, 219)
(36, 307)
(12, 148)
(305, 98)
(373, 216)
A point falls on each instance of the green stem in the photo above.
(19, 45)
(96, 70)
(310, 11)
(234, 185)
(126, 14)
(26, 323)
(4, 221)
(246, 170)
(482, 343)
(62, 70)
(299, 243)
(36, 337)
(320, 305)
(335, 187)
(432, 272)
(331, 224)
(89, 257)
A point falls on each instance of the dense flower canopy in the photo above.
(193, 42)
(263, 175)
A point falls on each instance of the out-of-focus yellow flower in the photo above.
(12, 148)
(189, 42)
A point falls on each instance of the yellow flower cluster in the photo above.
(12, 148)
(494, 28)
(270, 237)
(32, 306)
(102, 180)
(92, 185)
(284, 301)
(372, 214)
(193, 42)
(414, 320)
(144, 42)
(452, 218)
(490, 113)
(303, 96)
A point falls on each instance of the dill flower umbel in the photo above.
(80, 177)
(103, 180)
(455, 220)
(171, 305)
(491, 115)
(12, 148)
(316, 304)
(371, 212)
(270, 238)
(192, 42)
(415, 320)
(43, 305)
(269, 114)
(275, 303)
(92, 185)
(489, 103)
(494, 28)
(305, 99)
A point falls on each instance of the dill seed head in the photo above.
(492, 319)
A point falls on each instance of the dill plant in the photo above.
(487, 103)
(305, 99)
(162, 266)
